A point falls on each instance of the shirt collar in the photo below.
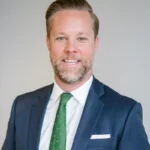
(57, 91)
(80, 94)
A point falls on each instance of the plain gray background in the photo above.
(122, 60)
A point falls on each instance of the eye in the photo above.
(61, 38)
(82, 38)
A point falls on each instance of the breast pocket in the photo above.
(100, 144)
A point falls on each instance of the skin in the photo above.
(72, 45)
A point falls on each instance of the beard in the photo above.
(71, 75)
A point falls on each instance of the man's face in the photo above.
(72, 45)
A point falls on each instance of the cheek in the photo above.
(88, 52)
(53, 55)
(88, 56)
(56, 51)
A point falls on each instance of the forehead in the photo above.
(72, 13)
(71, 19)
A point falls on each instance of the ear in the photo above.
(96, 43)
(48, 43)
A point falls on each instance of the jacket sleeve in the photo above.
(134, 136)
(9, 143)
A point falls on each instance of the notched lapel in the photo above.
(90, 116)
(36, 120)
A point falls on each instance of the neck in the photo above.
(70, 87)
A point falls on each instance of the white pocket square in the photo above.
(101, 136)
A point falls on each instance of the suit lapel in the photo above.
(36, 119)
(90, 116)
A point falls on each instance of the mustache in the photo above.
(71, 56)
(58, 60)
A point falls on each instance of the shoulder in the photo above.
(28, 99)
(114, 100)
(117, 97)
(119, 107)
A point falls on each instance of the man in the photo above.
(77, 112)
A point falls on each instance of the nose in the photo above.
(70, 47)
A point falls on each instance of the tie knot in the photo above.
(64, 98)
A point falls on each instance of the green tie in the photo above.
(58, 138)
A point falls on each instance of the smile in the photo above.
(71, 61)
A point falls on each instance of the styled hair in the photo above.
(59, 5)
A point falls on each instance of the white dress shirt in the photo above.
(74, 111)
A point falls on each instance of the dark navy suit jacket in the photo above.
(105, 112)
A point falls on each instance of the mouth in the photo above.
(71, 61)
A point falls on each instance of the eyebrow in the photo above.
(80, 33)
(61, 33)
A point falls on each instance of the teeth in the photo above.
(71, 61)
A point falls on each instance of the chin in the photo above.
(71, 75)
(71, 78)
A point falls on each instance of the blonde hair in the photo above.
(59, 5)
